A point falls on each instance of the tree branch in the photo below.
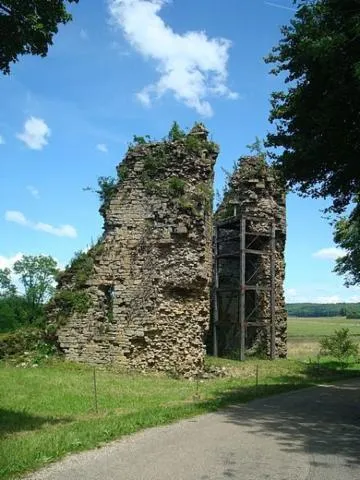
(5, 9)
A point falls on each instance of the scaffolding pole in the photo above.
(216, 297)
(242, 310)
(272, 291)
(245, 240)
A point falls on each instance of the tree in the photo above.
(28, 27)
(14, 312)
(13, 307)
(339, 345)
(7, 288)
(347, 236)
(317, 120)
(37, 274)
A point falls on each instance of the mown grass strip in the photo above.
(48, 411)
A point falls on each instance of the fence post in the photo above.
(95, 391)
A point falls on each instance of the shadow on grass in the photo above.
(322, 421)
(12, 421)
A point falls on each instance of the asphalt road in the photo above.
(311, 434)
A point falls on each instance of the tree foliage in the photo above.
(13, 312)
(37, 274)
(347, 236)
(317, 119)
(176, 133)
(28, 27)
(340, 345)
(257, 148)
(7, 287)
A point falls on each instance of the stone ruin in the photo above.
(140, 297)
(256, 193)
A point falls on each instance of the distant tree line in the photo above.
(348, 310)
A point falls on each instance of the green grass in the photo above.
(319, 327)
(304, 333)
(48, 411)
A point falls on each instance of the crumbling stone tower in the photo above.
(249, 306)
(139, 298)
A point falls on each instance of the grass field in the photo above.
(49, 410)
(304, 333)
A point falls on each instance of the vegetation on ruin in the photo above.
(176, 133)
(70, 301)
(224, 206)
(139, 140)
(107, 188)
(123, 172)
(155, 162)
(74, 297)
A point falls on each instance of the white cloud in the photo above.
(8, 262)
(191, 65)
(16, 217)
(61, 231)
(83, 34)
(329, 299)
(36, 133)
(330, 253)
(2, 140)
(354, 299)
(144, 98)
(33, 191)
(102, 147)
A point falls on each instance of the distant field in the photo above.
(318, 327)
(304, 333)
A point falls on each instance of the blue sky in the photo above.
(67, 119)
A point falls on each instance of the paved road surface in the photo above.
(312, 434)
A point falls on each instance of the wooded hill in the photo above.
(348, 310)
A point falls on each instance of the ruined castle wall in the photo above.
(255, 192)
(148, 287)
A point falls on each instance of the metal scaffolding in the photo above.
(240, 282)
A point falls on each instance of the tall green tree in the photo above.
(317, 117)
(7, 287)
(38, 275)
(13, 307)
(28, 27)
(347, 236)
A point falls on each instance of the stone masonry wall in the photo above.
(144, 301)
(255, 191)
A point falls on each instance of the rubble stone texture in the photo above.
(255, 192)
(144, 302)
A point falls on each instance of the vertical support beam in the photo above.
(242, 287)
(272, 291)
(216, 297)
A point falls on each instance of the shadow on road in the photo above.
(321, 421)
